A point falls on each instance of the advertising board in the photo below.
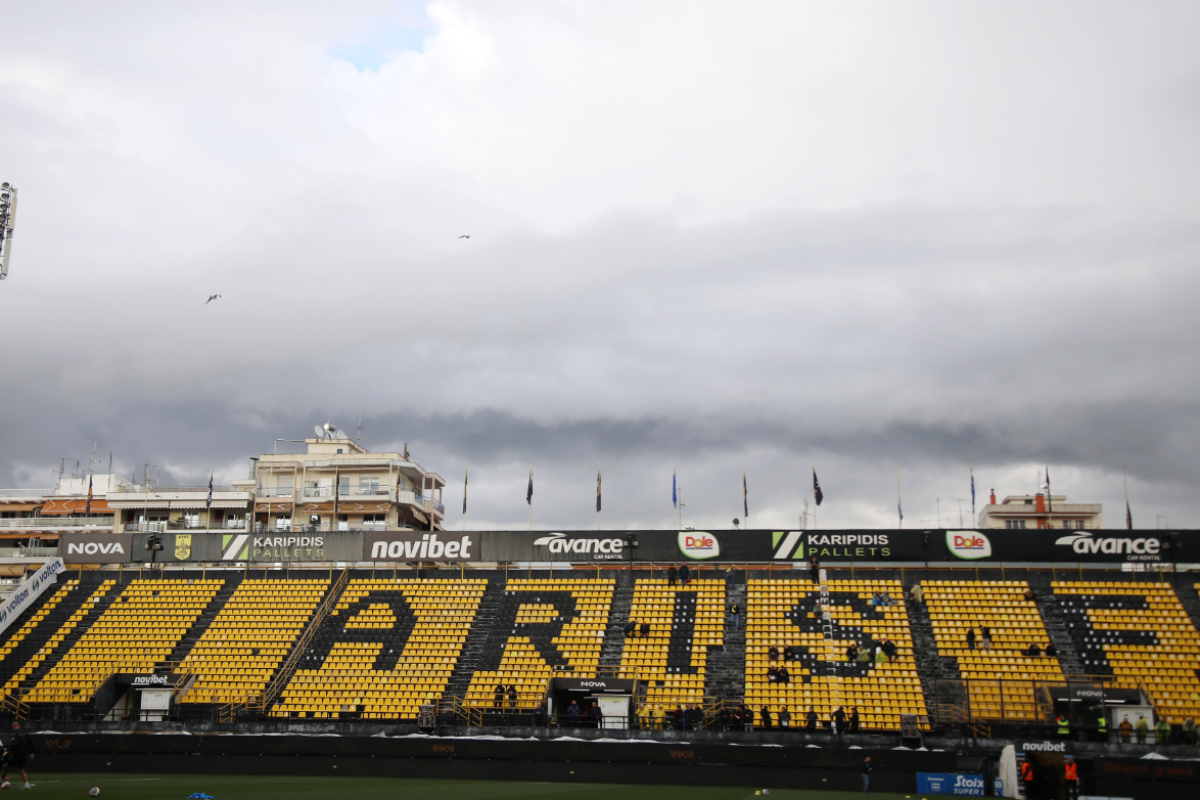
(949, 783)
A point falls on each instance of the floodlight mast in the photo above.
(8, 216)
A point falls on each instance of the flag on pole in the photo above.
(972, 495)
(88, 508)
(208, 500)
(464, 490)
(900, 511)
(1049, 500)
(674, 491)
(818, 495)
(745, 499)
(529, 491)
(1128, 513)
(597, 489)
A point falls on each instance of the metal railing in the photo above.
(361, 490)
(276, 491)
(26, 492)
(202, 524)
(330, 527)
(980, 703)
(146, 527)
(57, 522)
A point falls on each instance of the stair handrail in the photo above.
(284, 674)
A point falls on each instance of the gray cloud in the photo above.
(757, 255)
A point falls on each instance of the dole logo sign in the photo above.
(699, 545)
(969, 544)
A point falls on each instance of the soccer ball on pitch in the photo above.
(766, 791)
(94, 791)
(5, 785)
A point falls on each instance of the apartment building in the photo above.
(1033, 511)
(337, 484)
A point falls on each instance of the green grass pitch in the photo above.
(239, 787)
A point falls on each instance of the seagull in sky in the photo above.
(465, 236)
(211, 297)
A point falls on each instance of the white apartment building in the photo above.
(1034, 511)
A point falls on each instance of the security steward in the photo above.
(1064, 728)
(1027, 775)
(1071, 773)
(1102, 728)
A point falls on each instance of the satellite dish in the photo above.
(320, 431)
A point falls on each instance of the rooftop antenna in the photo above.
(8, 216)
(320, 431)
(360, 430)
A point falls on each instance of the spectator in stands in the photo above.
(645, 629)
(1142, 727)
(773, 653)
(766, 717)
(810, 719)
(734, 616)
(1125, 730)
(864, 655)
(19, 750)
(1032, 651)
(660, 717)
(573, 714)
(539, 717)
(881, 657)
(785, 717)
(672, 575)
(854, 721)
(1029, 594)
(1051, 650)
(697, 718)
(773, 674)
(874, 601)
(784, 676)
(814, 571)
(630, 627)
(1188, 732)
(1162, 731)
(723, 721)
(852, 652)
(677, 714)
(498, 701)
(889, 648)
(885, 600)
(685, 574)
(918, 594)
(874, 649)
(839, 720)
(971, 638)
(985, 638)
(512, 697)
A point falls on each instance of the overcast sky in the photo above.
(708, 236)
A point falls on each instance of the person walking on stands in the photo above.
(18, 752)
(685, 574)
(645, 629)
(766, 717)
(814, 570)
(918, 593)
(785, 717)
(854, 721)
(985, 639)
(866, 774)
(733, 616)
(970, 638)
(630, 627)
(672, 575)
(512, 697)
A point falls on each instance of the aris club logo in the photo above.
(969, 544)
(699, 545)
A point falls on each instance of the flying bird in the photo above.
(211, 297)
(465, 236)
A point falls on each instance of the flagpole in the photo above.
(899, 507)
(814, 469)
(464, 498)
(1128, 515)
(529, 498)
(597, 497)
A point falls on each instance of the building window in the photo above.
(1015, 524)
(369, 485)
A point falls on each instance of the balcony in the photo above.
(32, 493)
(56, 523)
(335, 527)
(441, 509)
(278, 491)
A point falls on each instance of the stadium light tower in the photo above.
(8, 214)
